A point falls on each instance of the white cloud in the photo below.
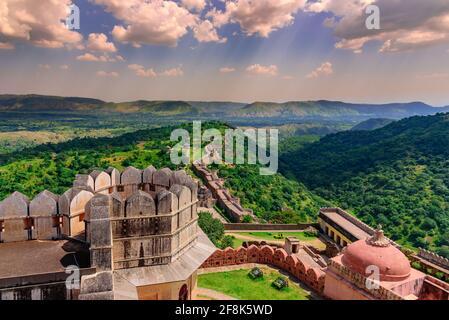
(257, 69)
(227, 70)
(326, 69)
(405, 24)
(64, 67)
(99, 42)
(205, 32)
(89, 57)
(141, 71)
(194, 5)
(258, 16)
(174, 72)
(36, 22)
(160, 22)
(44, 66)
(106, 74)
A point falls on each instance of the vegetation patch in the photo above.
(239, 285)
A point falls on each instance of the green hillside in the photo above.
(397, 176)
(372, 124)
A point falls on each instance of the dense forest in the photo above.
(397, 176)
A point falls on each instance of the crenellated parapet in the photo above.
(163, 193)
(433, 258)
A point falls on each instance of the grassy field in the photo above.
(280, 236)
(239, 285)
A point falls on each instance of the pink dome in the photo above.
(377, 251)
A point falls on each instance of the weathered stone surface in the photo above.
(109, 295)
(72, 204)
(43, 208)
(162, 177)
(97, 208)
(140, 203)
(131, 175)
(94, 174)
(179, 177)
(184, 199)
(14, 206)
(148, 174)
(167, 202)
(115, 175)
(117, 205)
(84, 181)
(102, 181)
(97, 283)
(44, 204)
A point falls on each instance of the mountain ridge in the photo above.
(324, 109)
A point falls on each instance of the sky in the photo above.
(227, 50)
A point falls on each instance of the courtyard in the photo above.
(234, 282)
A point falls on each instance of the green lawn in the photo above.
(237, 243)
(278, 235)
(237, 284)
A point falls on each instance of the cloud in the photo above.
(194, 5)
(405, 24)
(141, 71)
(157, 22)
(227, 70)
(258, 16)
(64, 67)
(99, 42)
(205, 32)
(36, 22)
(326, 69)
(89, 57)
(105, 74)
(257, 69)
(174, 72)
(44, 66)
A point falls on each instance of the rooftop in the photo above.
(347, 225)
(20, 259)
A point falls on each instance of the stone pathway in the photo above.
(208, 294)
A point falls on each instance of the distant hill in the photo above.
(336, 109)
(158, 108)
(47, 103)
(372, 124)
(294, 110)
(397, 175)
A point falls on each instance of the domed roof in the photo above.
(364, 255)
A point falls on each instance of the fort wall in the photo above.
(49, 216)
(231, 205)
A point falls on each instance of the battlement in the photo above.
(433, 258)
(49, 216)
